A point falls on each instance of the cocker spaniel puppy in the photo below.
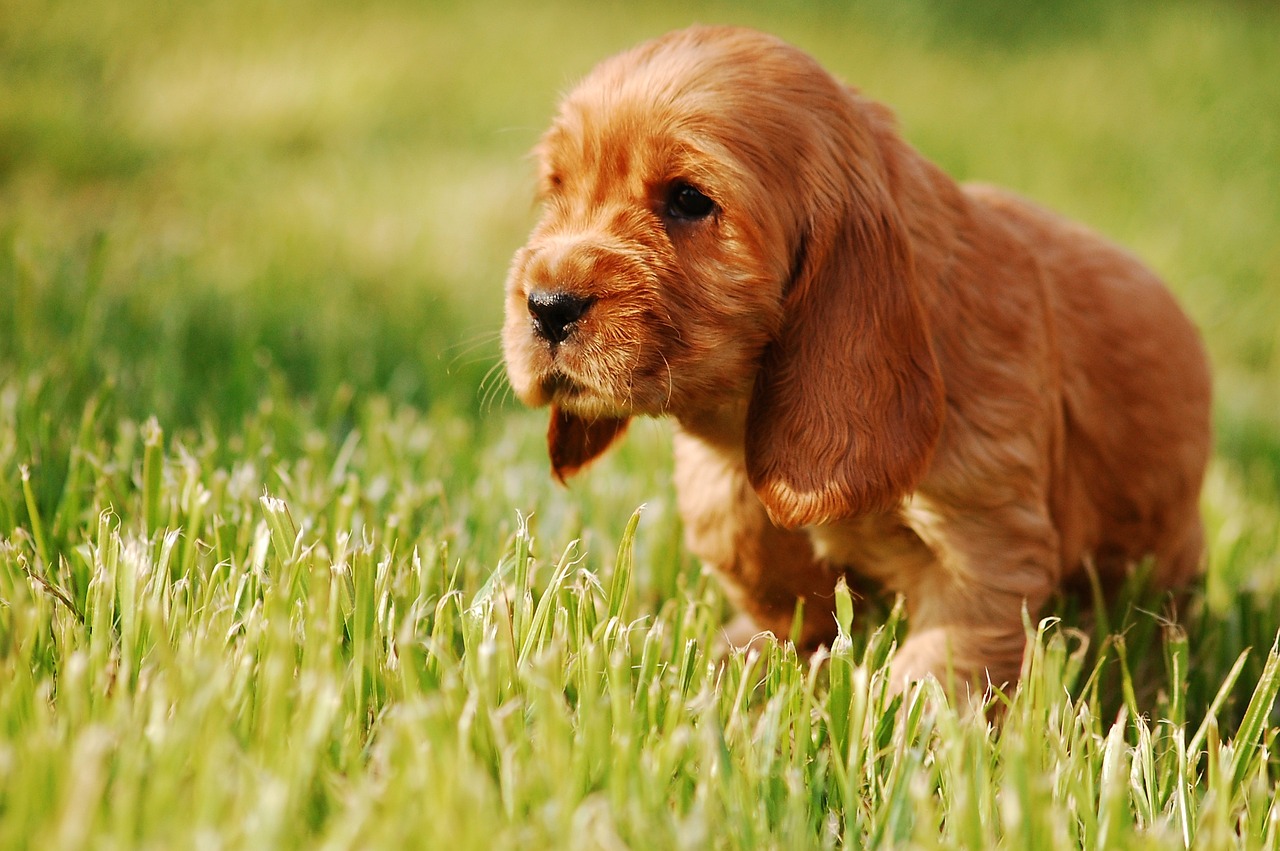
(947, 391)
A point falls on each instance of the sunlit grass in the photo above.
(371, 653)
(281, 567)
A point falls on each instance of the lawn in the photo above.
(281, 563)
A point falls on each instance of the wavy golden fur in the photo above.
(874, 372)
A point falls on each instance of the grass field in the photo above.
(280, 561)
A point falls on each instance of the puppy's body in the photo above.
(945, 390)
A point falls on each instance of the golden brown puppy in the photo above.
(945, 390)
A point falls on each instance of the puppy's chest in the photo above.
(883, 548)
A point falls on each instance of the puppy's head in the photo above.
(655, 277)
(708, 198)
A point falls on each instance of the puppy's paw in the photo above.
(742, 633)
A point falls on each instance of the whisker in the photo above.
(494, 387)
(666, 406)
(461, 349)
(482, 333)
(671, 323)
(487, 387)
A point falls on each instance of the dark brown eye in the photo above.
(686, 202)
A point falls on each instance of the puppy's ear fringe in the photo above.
(574, 441)
(849, 402)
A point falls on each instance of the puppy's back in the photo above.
(1136, 398)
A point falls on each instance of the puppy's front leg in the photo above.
(763, 568)
(964, 613)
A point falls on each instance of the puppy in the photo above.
(946, 391)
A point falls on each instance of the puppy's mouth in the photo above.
(572, 394)
(560, 388)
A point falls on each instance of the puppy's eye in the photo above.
(686, 202)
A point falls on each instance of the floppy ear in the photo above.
(573, 442)
(848, 404)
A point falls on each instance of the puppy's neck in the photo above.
(723, 427)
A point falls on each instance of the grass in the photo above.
(281, 564)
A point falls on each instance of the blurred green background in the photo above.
(282, 228)
(206, 204)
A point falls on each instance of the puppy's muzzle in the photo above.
(555, 313)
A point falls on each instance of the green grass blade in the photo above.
(1210, 717)
(623, 567)
(1248, 738)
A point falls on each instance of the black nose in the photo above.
(555, 311)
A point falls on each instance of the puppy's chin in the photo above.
(584, 386)
(561, 389)
(570, 394)
(573, 396)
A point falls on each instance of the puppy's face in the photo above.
(656, 275)
(719, 229)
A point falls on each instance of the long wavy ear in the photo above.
(573, 441)
(848, 404)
